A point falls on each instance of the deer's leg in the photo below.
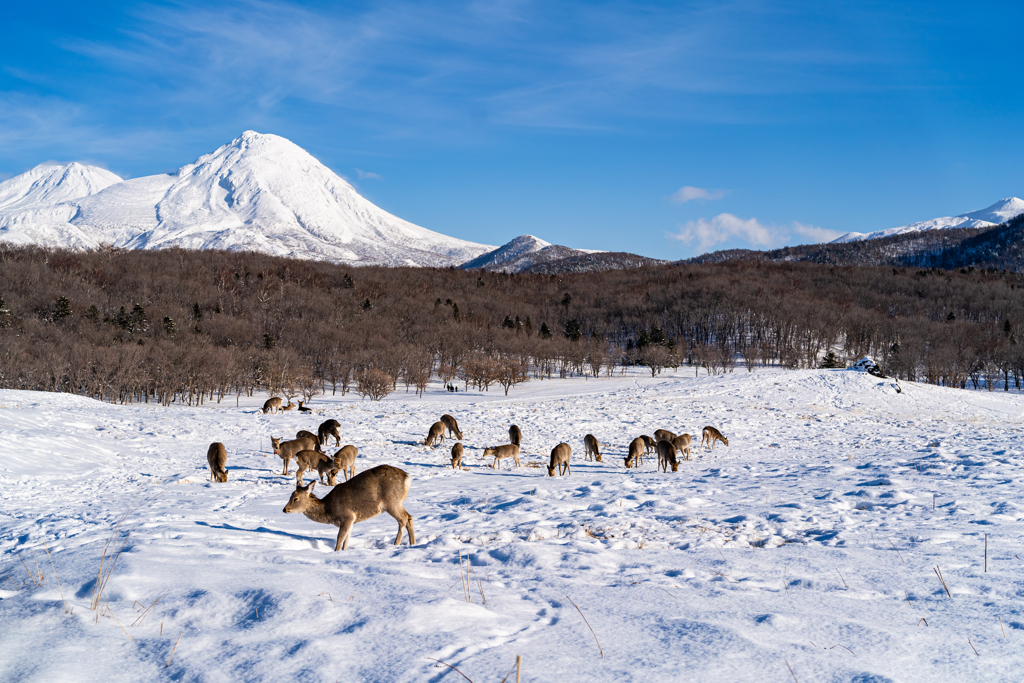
(344, 529)
(287, 461)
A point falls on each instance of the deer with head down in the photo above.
(667, 456)
(711, 435)
(649, 444)
(636, 453)
(436, 434)
(217, 458)
(344, 460)
(682, 444)
(510, 450)
(515, 435)
(591, 444)
(457, 456)
(663, 435)
(272, 405)
(560, 459)
(452, 425)
(310, 460)
(380, 489)
(329, 428)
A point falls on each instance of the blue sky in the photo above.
(666, 129)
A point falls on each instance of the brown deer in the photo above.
(510, 450)
(663, 435)
(515, 435)
(303, 434)
(590, 442)
(310, 460)
(560, 459)
(711, 435)
(380, 489)
(304, 409)
(452, 425)
(289, 406)
(436, 434)
(667, 456)
(457, 456)
(288, 449)
(217, 457)
(344, 460)
(330, 428)
(682, 444)
(636, 453)
(649, 444)
(272, 405)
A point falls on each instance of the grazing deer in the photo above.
(289, 406)
(667, 456)
(507, 451)
(711, 435)
(515, 435)
(682, 444)
(560, 459)
(380, 489)
(663, 435)
(435, 435)
(304, 409)
(452, 425)
(330, 428)
(649, 443)
(217, 457)
(310, 460)
(344, 460)
(288, 449)
(457, 456)
(303, 434)
(636, 452)
(272, 405)
(590, 443)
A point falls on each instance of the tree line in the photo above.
(192, 326)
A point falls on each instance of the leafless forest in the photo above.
(193, 326)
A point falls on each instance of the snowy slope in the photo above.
(523, 253)
(1000, 212)
(37, 207)
(808, 544)
(259, 192)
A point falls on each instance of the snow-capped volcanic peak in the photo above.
(50, 183)
(1000, 212)
(258, 192)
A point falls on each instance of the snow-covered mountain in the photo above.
(523, 253)
(1000, 212)
(259, 192)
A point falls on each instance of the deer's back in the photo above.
(369, 492)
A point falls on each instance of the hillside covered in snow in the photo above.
(813, 543)
(257, 193)
(998, 213)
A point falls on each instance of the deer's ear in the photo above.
(311, 485)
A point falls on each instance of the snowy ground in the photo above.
(809, 543)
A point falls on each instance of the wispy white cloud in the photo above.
(368, 175)
(688, 193)
(707, 232)
(815, 233)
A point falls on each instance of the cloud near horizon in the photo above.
(688, 193)
(368, 175)
(726, 227)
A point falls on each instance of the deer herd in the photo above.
(383, 488)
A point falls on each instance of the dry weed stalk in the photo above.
(106, 606)
(791, 671)
(938, 573)
(896, 549)
(55, 577)
(173, 649)
(452, 668)
(588, 625)
(113, 549)
(146, 611)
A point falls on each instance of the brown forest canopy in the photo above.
(184, 325)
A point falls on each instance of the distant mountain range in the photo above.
(263, 193)
(998, 213)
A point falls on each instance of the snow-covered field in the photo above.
(805, 550)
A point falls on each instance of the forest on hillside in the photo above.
(192, 326)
